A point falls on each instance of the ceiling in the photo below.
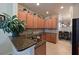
(52, 8)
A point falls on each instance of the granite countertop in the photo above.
(40, 43)
(21, 43)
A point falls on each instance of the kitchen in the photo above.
(41, 30)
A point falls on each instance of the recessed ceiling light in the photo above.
(47, 12)
(37, 4)
(61, 7)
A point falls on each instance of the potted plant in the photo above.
(12, 24)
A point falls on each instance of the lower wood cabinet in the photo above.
(41, 50)
(50, 37)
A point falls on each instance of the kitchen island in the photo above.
(21, 43)
(37, 40)
(26, 46)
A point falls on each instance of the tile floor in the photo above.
(62, 47)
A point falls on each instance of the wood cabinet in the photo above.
(43, 36)
(22, 15)
(50, 37)
(33, 21)
(51, 23)
(47, 24)
(41, 50)
(30, 21)
(38, 22)
(54, 22)
(42, 23)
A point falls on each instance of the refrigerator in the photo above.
(75, 36)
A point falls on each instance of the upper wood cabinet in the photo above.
(33, 21)
(39, 22)
(51, 23)
(42, 23)
(22, 15)
(47, 24)
(30, 21)
(54, 22)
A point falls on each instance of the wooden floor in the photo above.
(62, 47)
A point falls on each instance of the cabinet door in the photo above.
(35, 21)
(46, 23)
(42, 23)
(52, 38)
(43, 37)
(51, 23)
(54, 22)
(41, 50)
(49, 37)
(30, 20)
(23, 17)
(38, 22)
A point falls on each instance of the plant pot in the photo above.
(15, 34)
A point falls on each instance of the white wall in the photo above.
(5, 43)
(76, 11)
(66, 17)
(9, 8)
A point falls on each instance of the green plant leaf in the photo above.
(13, 17)
(12, 24)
